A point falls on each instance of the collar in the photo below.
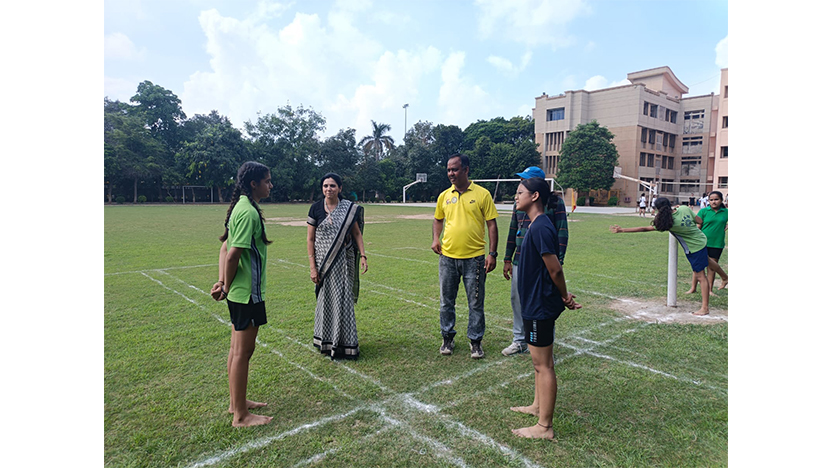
(454, 189)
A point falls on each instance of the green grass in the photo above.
(630, 393)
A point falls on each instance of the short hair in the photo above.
(463, 160)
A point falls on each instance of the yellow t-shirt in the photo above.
(465, 215)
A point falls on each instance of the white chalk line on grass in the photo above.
(158, 269)
(404, 258)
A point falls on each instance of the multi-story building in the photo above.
(661, 136)
(720, 161)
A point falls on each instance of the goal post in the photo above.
(420, 177)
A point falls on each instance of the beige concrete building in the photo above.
(661, 136)
(720, 160)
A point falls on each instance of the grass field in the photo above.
(630, 392)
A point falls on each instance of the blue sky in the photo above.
(453, 62)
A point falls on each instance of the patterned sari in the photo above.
(337, 260)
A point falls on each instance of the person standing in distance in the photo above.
(464, 210)
(520, 222)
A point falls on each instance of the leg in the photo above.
(242, 349)
(702, 278)
(473, 277)
(546, 391)
(714, 267)
(692, 285)
(249, 404)
(448, 289)
(518, 345)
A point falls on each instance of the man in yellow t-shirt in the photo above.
(464, 210)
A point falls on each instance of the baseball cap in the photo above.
(532, 171)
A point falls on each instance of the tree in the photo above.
(130, 151)
(378, 142)
(214, 155)
(588, 158)
(162, 111)
(339, 154)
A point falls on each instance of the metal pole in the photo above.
(672, 256)
(405, 120)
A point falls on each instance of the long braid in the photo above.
(248, 172)
(664, 215)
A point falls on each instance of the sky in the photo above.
(452, 62)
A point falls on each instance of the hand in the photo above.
(570, 303)
(313, 275)
(216, 291)
(507, 270)
(615, 228)
(363, 264)
(490, 263)
(436, 247)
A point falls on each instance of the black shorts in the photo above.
(539, 333)
(243, 315)
(714, 253)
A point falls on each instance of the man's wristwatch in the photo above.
(493, 254)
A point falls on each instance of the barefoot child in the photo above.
(714, 224)
(682, 223)
(542, 290)
(242, 278)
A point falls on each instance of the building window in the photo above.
(642, 159)
(672, 142)
(723, 182)
(724, 152)
(670, 116)
(694, 121)
(691, 145)
(646, 108)
(555, 114)
(644, 135)
(650, 157)
(654, 110)
(726, 91)
(652, 137)
(725, 122)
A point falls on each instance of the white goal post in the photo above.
(420, 177)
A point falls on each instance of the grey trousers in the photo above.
(472, 273)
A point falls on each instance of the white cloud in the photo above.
(722, 53)
(599, 82)
(530, 22)
(119, 89)
(506, 66)
(460, 100)
(119, 46)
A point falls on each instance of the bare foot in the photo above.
(249, 405)
(535, 432)
(532, 410)
(690, 291)
(712, 294)
(251, 420)
(701, 312)
(724, 284)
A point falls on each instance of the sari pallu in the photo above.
(337, 260)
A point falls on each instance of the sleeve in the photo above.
(439, 213)
(511, 240)
(544, 239)
(489, 210)
(562, 227)
(242, 228)
(312, 218)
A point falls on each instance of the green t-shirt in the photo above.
(686, 230)
(245, 232)
(713, 225)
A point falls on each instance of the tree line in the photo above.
(152, 150)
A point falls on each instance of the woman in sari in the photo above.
(335, 245)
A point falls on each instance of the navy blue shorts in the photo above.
(243, 315)
(539, 333)
(698, 260)
(714, 253)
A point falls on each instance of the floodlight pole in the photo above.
(672, 256)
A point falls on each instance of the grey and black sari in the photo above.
(337, 261)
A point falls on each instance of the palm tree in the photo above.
(378, 141)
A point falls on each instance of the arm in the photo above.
(491, 262)
(310, 249)
(437, 231)
(217, 290)
(698, 221)
(616, 229)
(511, 245)
(556, 273)
(232, 261)
(561, 224)
(359, 241)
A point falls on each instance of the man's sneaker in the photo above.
(515, 348)
(476, 350)
(447, 347)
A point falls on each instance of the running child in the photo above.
(242, 279)
(682, 223)
(542, 289)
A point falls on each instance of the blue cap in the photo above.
(532, 171)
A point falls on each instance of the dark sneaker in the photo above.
(476, 350)
(515, 348)
(447, 347)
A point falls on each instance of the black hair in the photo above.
(547, 197)
(463, 159)
(664, 214)
(719, 194)
(336, 178)
(249, 172)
